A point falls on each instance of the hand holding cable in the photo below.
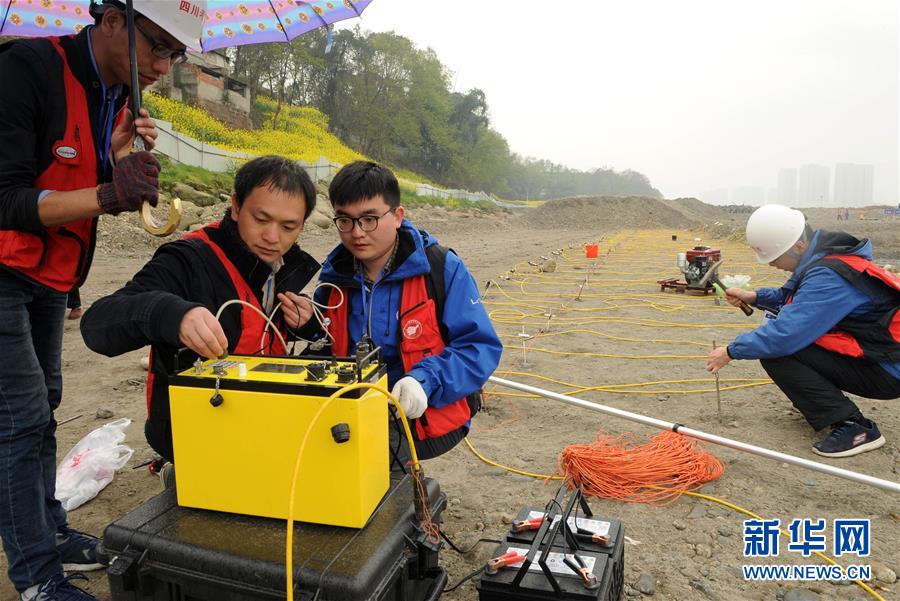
(411, 395)
(135, 179)
(297, 309)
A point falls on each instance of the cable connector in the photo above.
(575, 563)
(594, 537)
(493, 565)
(529, 524)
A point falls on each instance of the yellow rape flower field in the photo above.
(302, 132)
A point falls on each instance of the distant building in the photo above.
(787, 187)
(205, 81)
(853, 184)
(748, 195)
(813, 188)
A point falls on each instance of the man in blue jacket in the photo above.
(415, 300)
(837, 327)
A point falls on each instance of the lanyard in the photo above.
(107, 111)
(107, 116)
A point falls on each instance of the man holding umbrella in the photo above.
(65, 159)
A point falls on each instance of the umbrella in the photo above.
(228, 23)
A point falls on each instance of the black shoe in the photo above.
(850, 438)
(77, 550)
(58, 588)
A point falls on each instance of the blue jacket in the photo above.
(472, 350)
(822, 298)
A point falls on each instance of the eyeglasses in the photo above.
(367, 223)
(161, 50)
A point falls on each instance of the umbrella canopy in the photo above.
(228, 22)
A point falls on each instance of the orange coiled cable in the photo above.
(625, 468)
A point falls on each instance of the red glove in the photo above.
(135, 179)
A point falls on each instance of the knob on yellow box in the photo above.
(237, 425)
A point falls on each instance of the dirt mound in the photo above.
(700, 211)
(611, 213)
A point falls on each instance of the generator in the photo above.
(693, 264)
(237, 425)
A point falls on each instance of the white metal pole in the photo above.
(719, 440)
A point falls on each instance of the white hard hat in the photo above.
(773, 229)
(182, 19)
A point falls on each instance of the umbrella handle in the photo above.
(147, 220)
(161, 229)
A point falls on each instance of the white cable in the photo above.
(236, 301)
(317, 313)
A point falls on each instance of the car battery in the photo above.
(237, 425)
(607, 570)
(564, 557)
(164, 552)
(595, 534)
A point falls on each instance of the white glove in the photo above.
(411, 395)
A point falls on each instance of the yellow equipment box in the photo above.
(237, 425)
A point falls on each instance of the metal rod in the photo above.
(719, 440)
(718, 391)
(135, 91)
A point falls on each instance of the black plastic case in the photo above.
(163, 552)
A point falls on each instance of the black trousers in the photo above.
(425, 449)
(74, 299)
(814, 380)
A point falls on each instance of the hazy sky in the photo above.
(696, 94)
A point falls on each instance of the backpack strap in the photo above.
(434, 282)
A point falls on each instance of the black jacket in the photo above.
(33, 117)
(182, 275)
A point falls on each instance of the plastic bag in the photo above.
(736, 281)
(91, 464)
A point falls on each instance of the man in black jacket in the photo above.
(65, 159)
(251, 255)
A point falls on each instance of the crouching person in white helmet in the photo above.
(837, 327)
(65, 158)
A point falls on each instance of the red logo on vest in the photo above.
(412, 329)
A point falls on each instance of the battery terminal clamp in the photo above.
(530, 524)
(594, 537)
(507, 559)
(575, 563)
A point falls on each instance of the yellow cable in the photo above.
(289, 543)
(722, 502)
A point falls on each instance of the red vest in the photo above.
(59, 257)
(420, 337)
(878, 341)
(251, 341)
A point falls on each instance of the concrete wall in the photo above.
(428, 190)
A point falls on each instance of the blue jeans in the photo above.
(31, 330)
